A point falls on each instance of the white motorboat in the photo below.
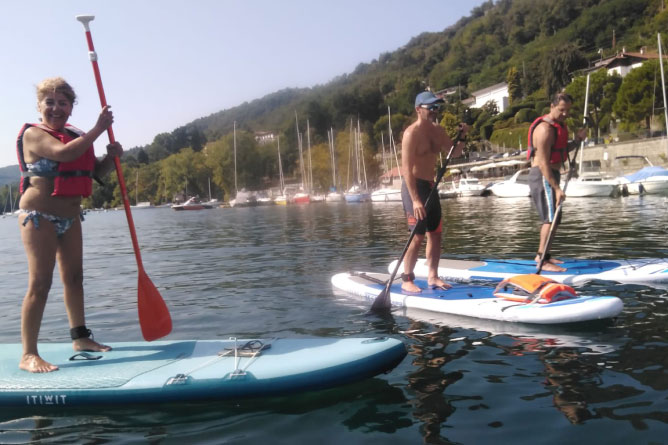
(386, 194)
(591, 185)
(649, 181)
(516, 186)
(447, 191)
(191, 204)
(470, 187)
(244, 199)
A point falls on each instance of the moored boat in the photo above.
(192, 204)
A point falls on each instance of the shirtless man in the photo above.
(422, 143)
(548, 150)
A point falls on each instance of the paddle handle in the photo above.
(571, 169)
(85, 20)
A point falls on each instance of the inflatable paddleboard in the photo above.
(650, 271)
(479, 301)
(168, 371)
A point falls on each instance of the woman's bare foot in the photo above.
(35, 363)
(437, 283)
(87, 344)
(409, 286)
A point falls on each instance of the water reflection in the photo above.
(266, 271)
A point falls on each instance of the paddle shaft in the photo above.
(110, 132)
(571, 169)
(383, 301)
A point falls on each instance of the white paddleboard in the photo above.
(479, 301)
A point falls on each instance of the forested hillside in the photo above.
(537, 46)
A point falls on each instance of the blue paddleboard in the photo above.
(168, 371)
(650, 271)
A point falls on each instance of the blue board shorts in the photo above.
(433, 222)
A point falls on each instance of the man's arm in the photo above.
(408, 160)
(447, 142)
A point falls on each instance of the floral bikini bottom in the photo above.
(61, 224)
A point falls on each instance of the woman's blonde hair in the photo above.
(56, 85)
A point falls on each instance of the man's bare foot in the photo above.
(551, 260)
(87, 344)
(551, 267)
(35, 363)
(437, 283)
(409, 286)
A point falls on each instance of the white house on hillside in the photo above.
(622, 63)
(497, 93)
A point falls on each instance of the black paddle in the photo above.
(571, 169)
(383, 300)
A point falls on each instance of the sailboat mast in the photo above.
(366, 184)
(393, 145)
(236, 189)
(280, 166)
(584, 122)
(310, 164)
(301, 151)
(663, 82)
(332, 151)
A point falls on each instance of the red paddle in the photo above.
(154, 317)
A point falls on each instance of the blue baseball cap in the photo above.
(427, 98)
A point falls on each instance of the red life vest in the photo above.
(559, 152)
(72, 178)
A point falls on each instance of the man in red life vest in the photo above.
(548, 150)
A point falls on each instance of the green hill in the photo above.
(537, 46)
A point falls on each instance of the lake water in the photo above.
(264, 272)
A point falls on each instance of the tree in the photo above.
(558, 64)
(636, 96)
(142, 157)
(514, 85)
(602, 95)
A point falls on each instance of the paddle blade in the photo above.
(154, 317)
(383, 301)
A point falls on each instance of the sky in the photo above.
(165, 63)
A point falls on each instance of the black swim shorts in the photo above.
(432, 223)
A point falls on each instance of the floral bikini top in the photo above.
(43, 165)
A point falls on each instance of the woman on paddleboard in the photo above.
(57, 164)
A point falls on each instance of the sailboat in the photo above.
(589, 184)
(10, 202)
(213, 202)
(301, 196)
(388, 191)
(281, 199)
(143, 204)
(242, 198)
(334, 195)
(356, 193)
